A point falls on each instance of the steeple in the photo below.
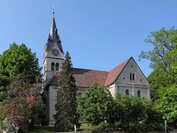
(53, 34)
(53, 52)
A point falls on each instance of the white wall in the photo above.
(123, 82)
(113, 90)
(52, 101)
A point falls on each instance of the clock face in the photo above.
(55, 52)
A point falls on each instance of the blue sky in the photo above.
(99, 34)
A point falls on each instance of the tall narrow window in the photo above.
(132, 76)
(57, 66)
(139, 93)
(127, 92)
(52, 66)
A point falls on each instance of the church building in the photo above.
(125, 78)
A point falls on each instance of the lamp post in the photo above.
(165, 126)
(75, 128)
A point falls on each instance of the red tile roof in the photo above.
(114, 73)
(85, 78)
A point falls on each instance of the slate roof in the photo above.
(53, 36)
(85, 77)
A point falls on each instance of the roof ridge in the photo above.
(91, 69)
(115, 72)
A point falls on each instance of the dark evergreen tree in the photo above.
(66, 98)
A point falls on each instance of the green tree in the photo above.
(167, 104)
(96, 106)
(129, 108)
(66, 98)
(137, 114)
(163, 41)
(16, 60)
(19, 59)
(163, 79)
(163, 59)
(158, 80)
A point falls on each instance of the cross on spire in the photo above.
(53, 10)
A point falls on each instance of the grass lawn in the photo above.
(43, 129)
(50, 128)
(86, 127)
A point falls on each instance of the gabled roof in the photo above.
(114, 73)
(85, 77)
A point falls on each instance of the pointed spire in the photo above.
(53, 29)
(53, 35)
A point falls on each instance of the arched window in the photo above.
(127, 92)
(57, 66)
(79, 94)
(52, 66)
(139, 93)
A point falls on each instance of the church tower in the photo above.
(53, 52)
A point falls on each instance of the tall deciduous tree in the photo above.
(163, 79)
(158, 80)
(96, 106)
(167, 104)
(163, 41)
(16, 60)
(19, 59)
(163, 57)
(66, 98)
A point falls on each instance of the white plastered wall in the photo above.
(52, 101)
(124, 83)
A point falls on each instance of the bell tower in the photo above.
(53, 56)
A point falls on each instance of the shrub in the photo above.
(104, 126)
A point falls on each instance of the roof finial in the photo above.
(53, 11)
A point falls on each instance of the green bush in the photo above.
(137, 127)
(2, 126)
(124, 126)
(104, 126)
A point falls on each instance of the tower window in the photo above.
(52, 66)
(127, 92)
(57, 66)
(139, 93)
